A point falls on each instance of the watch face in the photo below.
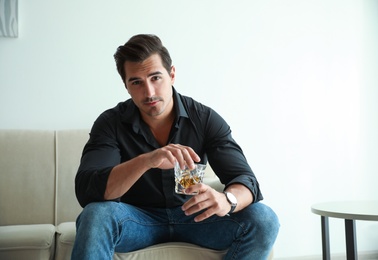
(231, 198)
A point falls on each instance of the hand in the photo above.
(208, 199)
(165, 157)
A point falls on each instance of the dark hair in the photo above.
(139, 48)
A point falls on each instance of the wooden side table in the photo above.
(349, 211)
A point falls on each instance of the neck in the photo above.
(157, 122)
(161, 128)
(161, 125)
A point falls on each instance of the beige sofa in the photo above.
(38, 206)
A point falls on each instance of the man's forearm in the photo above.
(242, 194)
(123, 176)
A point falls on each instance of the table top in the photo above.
(357, 210)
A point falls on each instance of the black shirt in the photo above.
(119, 134)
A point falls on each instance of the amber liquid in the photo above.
(188, 180)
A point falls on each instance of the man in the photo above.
(125, 181)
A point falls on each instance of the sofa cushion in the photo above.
(183, 251)
(27, 242)
(172, 251)
(66, 233)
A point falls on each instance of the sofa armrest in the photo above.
(32, 242)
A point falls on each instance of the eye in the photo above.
(154, 78)
(136, 82)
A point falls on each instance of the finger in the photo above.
(197, 188)
(188, 161)
(171, 158)
(206, 214)
(193, 155)
(176, 153)
(197, 199)
(198, 206)
(190, 157)
(160, 158)
(185, 155)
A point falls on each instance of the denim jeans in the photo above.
(107, 227)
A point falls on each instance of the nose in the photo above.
(149, 89)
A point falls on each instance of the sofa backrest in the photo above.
(27, 177)
(37, 171)
(69, 147)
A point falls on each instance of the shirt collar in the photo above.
(179, 106)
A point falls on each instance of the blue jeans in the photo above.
(107, 227)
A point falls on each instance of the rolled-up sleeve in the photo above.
(100, 155)
(227, 158)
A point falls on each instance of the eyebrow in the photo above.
(149, 75)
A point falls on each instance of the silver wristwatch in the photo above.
(232, 200)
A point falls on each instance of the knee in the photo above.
(97, 212)
(265, 218)
(264, 222)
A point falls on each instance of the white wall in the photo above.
(295, 79)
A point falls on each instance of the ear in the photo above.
(172, 74)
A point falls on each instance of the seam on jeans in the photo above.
(237, 244)
(121, 223)
(241, 230)
(238, 241)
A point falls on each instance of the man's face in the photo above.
(150, 86)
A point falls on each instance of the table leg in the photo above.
(325, 238)
(350, 236)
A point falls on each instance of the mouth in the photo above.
(151, 102)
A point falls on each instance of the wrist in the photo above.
(232, 200)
